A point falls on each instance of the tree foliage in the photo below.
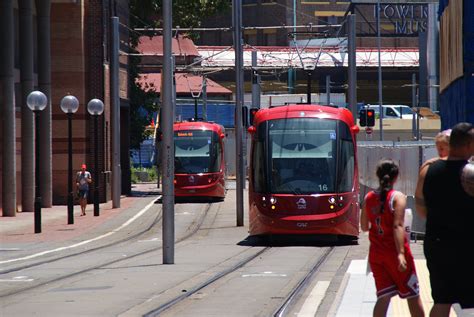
(148, 13)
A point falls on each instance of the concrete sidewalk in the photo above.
(357, 293)
(54, 220)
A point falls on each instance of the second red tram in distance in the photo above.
(303, 171)
(199, 159)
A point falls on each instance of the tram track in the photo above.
(196, 224)
(302, 285)
(204, 284)
(282, 310)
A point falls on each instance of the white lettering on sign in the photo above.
(407, 19)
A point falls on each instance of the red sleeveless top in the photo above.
(381, 224)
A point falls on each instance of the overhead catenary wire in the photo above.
(274, 27)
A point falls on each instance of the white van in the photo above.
(393, 111)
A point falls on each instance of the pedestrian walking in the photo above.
(83, 179)
(449, 213)
(390, 257)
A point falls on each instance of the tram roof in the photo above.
(198, 125)
(311, 111)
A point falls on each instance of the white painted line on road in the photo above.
(18, 279)
(150, 240)
(126, 224)
(312, 302)
(264, 274)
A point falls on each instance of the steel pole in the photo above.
(352, 65)
(379, 72)
(96, 166)
(195, 109)
(239, 97)
(308, 87)
(413, 105)
(255, 82)
(204, 98)
(37, 171)
(70, 199)
(115, 111)
(167, 153)
(328, 89)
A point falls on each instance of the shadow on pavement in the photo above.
(297, 240)
(193, 200)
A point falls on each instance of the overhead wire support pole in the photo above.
(352, 65)
(167, 152)
(115, 113)
(239, 95)
(379, 72)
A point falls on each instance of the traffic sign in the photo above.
(369, 130)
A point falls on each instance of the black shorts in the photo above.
(82, 194)
(451, 274)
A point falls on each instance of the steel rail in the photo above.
(94, 267)
(282, 310)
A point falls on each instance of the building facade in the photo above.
(60, 47)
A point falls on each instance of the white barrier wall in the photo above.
(408, 155)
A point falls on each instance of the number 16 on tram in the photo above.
(303, 172)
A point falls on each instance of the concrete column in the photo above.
(43, 9)
(27, 118)
(7, 106)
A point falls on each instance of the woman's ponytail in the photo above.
(387, 171)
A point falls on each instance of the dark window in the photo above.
(347, 160)
(301, 153)
(197, 152)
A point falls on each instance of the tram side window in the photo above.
(347, 166)
(215, 164)
(258, 167)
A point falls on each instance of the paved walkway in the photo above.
(357, 293)
(54, 219)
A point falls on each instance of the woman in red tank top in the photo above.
(390, 257)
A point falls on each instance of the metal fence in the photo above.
(409, 155)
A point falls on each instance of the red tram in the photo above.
(199, 159)
(303, 171)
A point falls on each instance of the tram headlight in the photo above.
(212, 178)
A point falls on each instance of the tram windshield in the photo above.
(196, 151)
(301, 156)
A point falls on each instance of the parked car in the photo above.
(393, 111)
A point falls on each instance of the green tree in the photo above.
(148, 13)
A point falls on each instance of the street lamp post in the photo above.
(69, 105)
(37, 101)
(95, 107)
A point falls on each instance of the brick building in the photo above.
(59, 47)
